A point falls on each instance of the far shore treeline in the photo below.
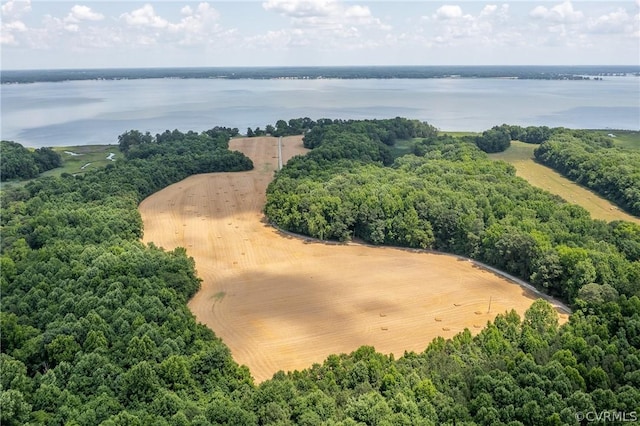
(538, 72)
(95, 329)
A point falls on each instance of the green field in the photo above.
(627, 139)
(405, 146)
(459, 134)
(89, 157)
(520, 155)
(86, 158)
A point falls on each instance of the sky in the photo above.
(121, 34)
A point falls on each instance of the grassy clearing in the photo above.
(459, 134)
(627, 139)
(88, 157)
(403, 147)
(520, 155)
(516, 153)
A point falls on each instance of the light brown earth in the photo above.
(284, 303)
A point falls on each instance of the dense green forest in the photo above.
(385, 131)
(586, 157)
(19, 162)
(95, 329)
(593, 161)
(451, 197)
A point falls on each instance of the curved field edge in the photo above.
(561, 307)
(95, 331)
(280, 303)
(451, 197)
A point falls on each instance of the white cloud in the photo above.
(16, 26)
(560, 25)
(198, 26)
(203, 15)
(15, 8)
(144, 17)
(192, 21)
(488, 10)
(8, 39)
(11, 24)
(341, 31)
(358, 12)
(450, 26)
(561, 13)
(448, 12)
(7, 36)
(302, 8)
(83, 13)
(328, 14)
(617, 21)
(324, 24)
(70, 23)
(493, 12)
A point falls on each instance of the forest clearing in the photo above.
(283, 303)
(520, 155)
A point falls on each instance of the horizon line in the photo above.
(314, 66)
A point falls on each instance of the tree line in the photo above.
(94, 325)
(517, 371)
(19, 162)
(592, 160)
(498, 138)
(387, 131)
(587, 158)
(95, 330)
(452, 198)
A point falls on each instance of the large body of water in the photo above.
(97, 111)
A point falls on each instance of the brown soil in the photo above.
(284, 303)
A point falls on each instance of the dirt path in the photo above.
(281, 303)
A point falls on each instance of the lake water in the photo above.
(97, 111)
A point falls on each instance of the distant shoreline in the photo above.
(529, 72)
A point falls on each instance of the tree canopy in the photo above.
(95, 330)
(592, 160)
(451, 197)
(19, 162)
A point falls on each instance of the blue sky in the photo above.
(80, 34)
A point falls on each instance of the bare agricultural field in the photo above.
(283, 303)
(520, 154)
